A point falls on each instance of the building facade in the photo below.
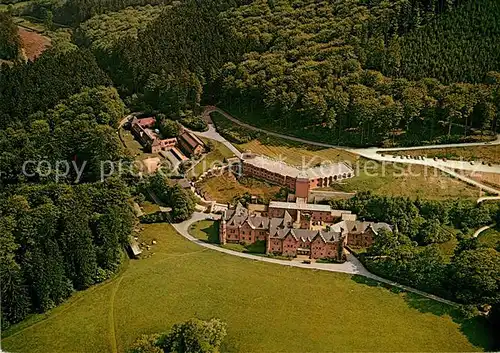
(143, 130)
(300, 181)
(304, 230)
(191, 144)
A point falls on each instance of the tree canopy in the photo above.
(10, 42)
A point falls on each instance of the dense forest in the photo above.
(316, 71)
(62, 228)
(36, 86)
(102, 32)
(459, 46)
(352, 72)
(314, 68)
(73, 12)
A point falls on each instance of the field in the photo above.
(406, 180)
(219, 152)
(225, 188)
(488, 154)
(33, 43)
(268, 308)
(294, 153)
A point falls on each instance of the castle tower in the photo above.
(302, 186)
(268, 243)
(296, 224)
(222, 230)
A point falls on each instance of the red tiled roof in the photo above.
(191, 140)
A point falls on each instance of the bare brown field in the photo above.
(491, 179)
(34, 44)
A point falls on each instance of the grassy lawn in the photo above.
(215, 157)
(207, 230)
(268, 308)
(134, 148)
(226, 187)
(489, 154)
(406, 180)
(149, 207)
(490, 238)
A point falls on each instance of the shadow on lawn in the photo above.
(476, 329)
(212, 233)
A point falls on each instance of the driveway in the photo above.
(212, 133)
(352, 266)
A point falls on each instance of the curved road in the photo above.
(480, 230)
(351, 266)
(488, 198)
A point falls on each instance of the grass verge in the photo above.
(226, 188)
(407, 181)
(268, 308)
(488, 154)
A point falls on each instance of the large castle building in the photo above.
(292, 229)
(301, 181)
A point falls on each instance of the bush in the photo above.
(196, 123)
(146, 344)
(158, 217)
(192, 336)
(169, 128)
(195, 336)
